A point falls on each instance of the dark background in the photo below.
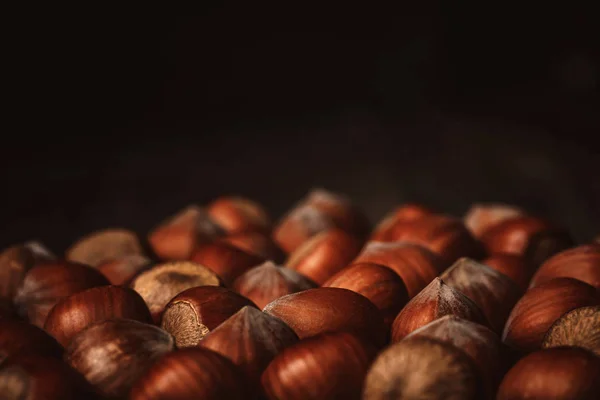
(121, 121)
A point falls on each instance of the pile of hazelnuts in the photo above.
(219, 303)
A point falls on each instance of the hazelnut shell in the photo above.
(482, 216)
(103, 246)
(257, 244)
(408, 212)
(18, 337)
(578, 328)
(513, 266)
(238, 214)
(582, 263)
(225, 260)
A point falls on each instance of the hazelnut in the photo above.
(193, 313)
(268, 282)
(39, 251)
(478, 342)
(493, 292)
(36, 377)
(482, 216)
(250, 338)
(541, 306)
(46, 284)
(320, 310)
(74, 313)
(14, 264)
(237, 214)
(324, 254)
(513, 266)
(405, 213)
(113, 354)
(176, 238)
(299, 225)
(343, 361)
(17, 337)
(416, 265)
(530, 237)
(425, 369)
(193, 373)
(103, 246)
(582, 263)
(225, 260)
(433, 302)
(123, 270)
(257, 244)
(558, 373)
(161, 283)
(579, 328)
(377, 283)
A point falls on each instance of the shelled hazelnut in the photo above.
(383, 232)
(323, 255)
(482, 216)
(238, 214)
(513, 266)
(46, 284)
(123, 270)
(257, 244)
(225, 260)
(176, 237)
(103, 246)
(582, 263)
(267, 282)
(578, 328)
(18, 337)
(416, 265)
(299, 225)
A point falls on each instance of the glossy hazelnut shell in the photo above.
(238, 214)
(123, 270)
(382, 286)
(256, 243)
(383, 232)
(513, 266)
(482, 216)
(78, 311)
(582, 263)
(103, 246)
(433, 302)
(343, 361)
(46, 284)
(541, 306)
(193, 373)
(268, 282)
(321, 310)
(557, 373)
(225, 260)
(345, 215)
(416, 265)
(578, 328)
(18, 337)
(323, 255)
(15, 261)
(299, 225)
(193, 313)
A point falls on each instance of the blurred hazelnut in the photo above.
(46, 284)
(74, 313)
(582, 263)
(299, 225)
(343, 361)
(113, 354)
(238, 214)
(513, 266)
(39, 251)
(541, 306)
(482, 216)
(123, 270)
(162, 282)
(268, 282)
(256, 244)
(17, 337)
(193, 313)
(416, 265)
(579, 328)
(225, 260)
(380, 284)
(405, 213)
(324, 254)
(103, 246)
(15, 261)
(433, 302)
(557, 373)
(320, 310)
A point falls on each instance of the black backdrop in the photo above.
(121, 120)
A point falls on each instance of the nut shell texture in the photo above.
(581, 263)
(578, 328)
(225, 260)
(103, 246)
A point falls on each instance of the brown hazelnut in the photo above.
(268, 282)
(433, 302)
(73, 314)
(257, 244)
(513, 266)
(537, 310)
(225, 260)
(478, 342)
(36, 377)
(377, 283)
(176, 238)
(582, 263)
(416, 265)
(39, 251)
(46, 284)
(193, 313)
(238, 214)
(579, 328)
(161, 283)
(15, 261)
(194, 373)
(323, 255)
(493, 292)
(113, 354)
(558, 373)
(482, 216)
(299, 225)
(320, 310)
(425, 369)
(405, 213)
(250, 338)
(339, 373)
(530, 237)
(18, 337)
(123, 270)
(103, 246)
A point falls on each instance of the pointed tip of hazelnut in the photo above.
(578, 328)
